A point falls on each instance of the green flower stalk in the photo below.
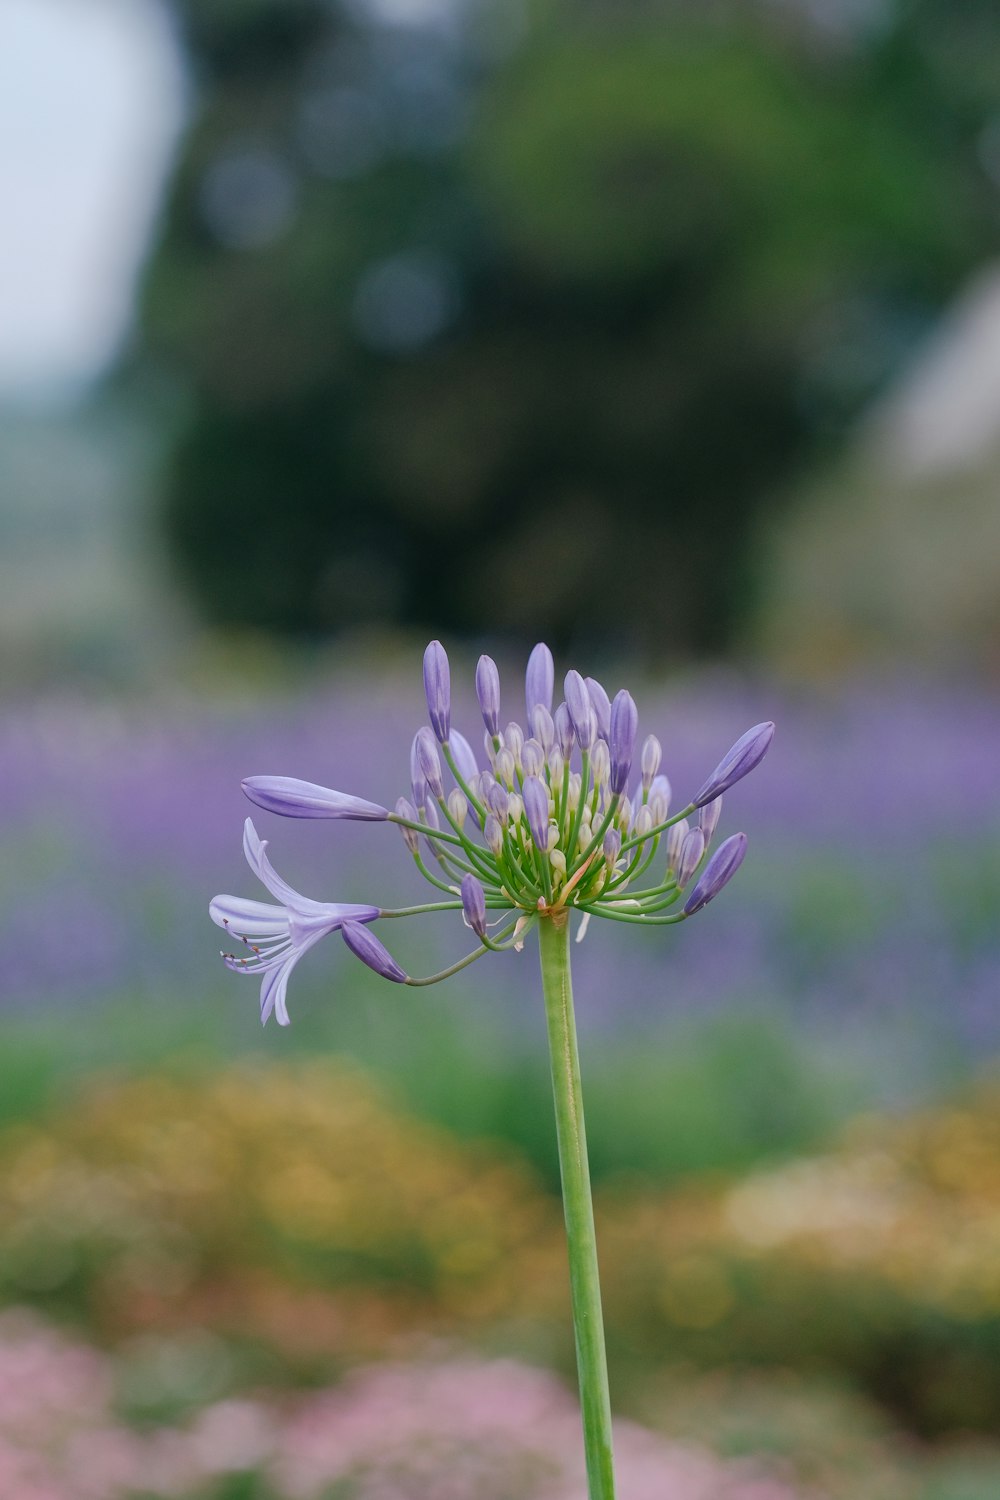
(545, 832)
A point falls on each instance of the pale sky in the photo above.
(91, 105)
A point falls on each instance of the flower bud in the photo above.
(488, 693)
(474, 904)
(612, 845)
(708, 818)
(652, 754)
(536, 807)
(490, 748)
(365, 945)
(498, 801)
(601, 704)
(565, 733)
(303, 799)
(532, 758)
(516, 806)
(539, 679)
(624, 818)
(624, 725)
(513, 738)
(493, 834)
(543, 727)
(676, 835)
(458, 806)
(718, 872)
(556, 765)
(748, 752)
(600, 762)
(659, 799)
(581, 710)
(437, 686)
(692, 850)
(410, 836)
(643, 822)
(429, 761)
(464, 756)
(506, 767)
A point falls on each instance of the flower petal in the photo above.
(242, 917)
(304, 799)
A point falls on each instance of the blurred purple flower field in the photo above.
(865, 896)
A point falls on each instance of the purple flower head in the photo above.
(465, 758)
(624, 726)
(488, 693)
(366, 946)
(601, 705)
(692, 850)
(429, 761)
(474, 904)
(581, 710)
(303, 799)
(275, 937)
(718, 872)
(708, 818)
(539, 679)
(748, 752)
(437, 686)
(536, 808)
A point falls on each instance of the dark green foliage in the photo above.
(553, 323)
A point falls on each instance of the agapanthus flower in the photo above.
(544, 822)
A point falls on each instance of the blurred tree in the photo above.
(519, 331)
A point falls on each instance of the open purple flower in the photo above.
(275, 937)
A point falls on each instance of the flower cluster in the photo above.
(554, 819)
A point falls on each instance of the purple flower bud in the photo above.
(676, 835)
(365, 945)
(708, 818)
(437, 686)
(692, 850)
(493, 834)
(718, 872)
(465, 758)
(490, 748)
(602, 707)
(429, 761)
(418, 780)
(652, 754)
(532, 758)
(565, 733)
(581, 710)
(488, 693)
(612, 845)
(410, 836)
(624, 725)
(474, 904)
(748, 752)
(536, 807)
(539, 678)
(303, 799)
(498, 801)
(542, 727)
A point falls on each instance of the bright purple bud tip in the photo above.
(718, 872)
(366, 946)
(536, 808)
(474, 904)
(488, 693)
(303, 799)
(624, 726)
(748, 752)
(539, 679)
(437, 686)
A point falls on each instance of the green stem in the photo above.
(585, 1289)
